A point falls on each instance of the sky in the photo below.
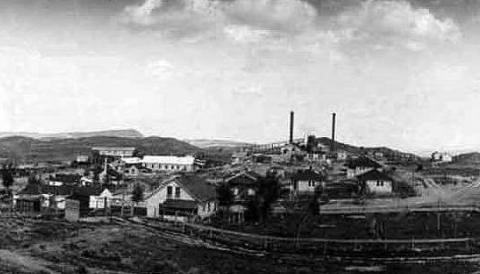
(398, 73)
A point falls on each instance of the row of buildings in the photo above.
(188, 195)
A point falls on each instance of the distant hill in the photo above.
(206, 143)
(467, 158)
(25, 149)
(126, 133)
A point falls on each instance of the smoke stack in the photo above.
(332, 145)
(291, 126)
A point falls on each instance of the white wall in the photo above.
(168, 167)
(303, 186)
(99, 201)
(160, 196)
(207, 208)
(379, 187)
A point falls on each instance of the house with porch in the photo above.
(181, 198)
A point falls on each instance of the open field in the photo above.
(52, 246)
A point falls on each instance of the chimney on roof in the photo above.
(332, 144)
(291, 126)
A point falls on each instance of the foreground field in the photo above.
(53, 246)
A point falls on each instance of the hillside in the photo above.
(126, 133)
(27, 149)
(388, 152)
(468, 158)
(207, 143)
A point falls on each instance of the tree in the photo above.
(224, 195)
(268, 193)
(7, 177)
(137, 193)
(34, 179)
(7, 181)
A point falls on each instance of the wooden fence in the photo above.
(323, 246)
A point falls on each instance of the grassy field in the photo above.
(55, 246)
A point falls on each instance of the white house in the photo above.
(181, 198)
(441, 157)
(169, 163)
(375, 182)
(101, 200)
(342, 155)
(306, 181)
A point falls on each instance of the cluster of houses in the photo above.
(181, 193)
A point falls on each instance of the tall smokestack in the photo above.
(291, 126)
(332, 145)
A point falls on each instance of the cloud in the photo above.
(369, 25)
(239, 20)
(385, 24)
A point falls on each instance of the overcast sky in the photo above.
(397, 73)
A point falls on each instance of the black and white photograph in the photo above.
(240, 136)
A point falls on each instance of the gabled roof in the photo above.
(244, 177)
(374, 175)
(195, 186)
(363, 161)
(308, 175)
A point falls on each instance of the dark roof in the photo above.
(180, 204)
(308, 175)
(66, 178)
(374, 175)
(36, 189)
(242, 178)
(197, 187)
(363, 162)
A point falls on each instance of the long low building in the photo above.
(169, 163)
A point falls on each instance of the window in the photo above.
(208, 206)
(379, 183)
(177, 192)
(169, 191)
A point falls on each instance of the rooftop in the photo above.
(374, 175)
(114, 148)
(363, 161)
(307, 175)
(179, 160)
